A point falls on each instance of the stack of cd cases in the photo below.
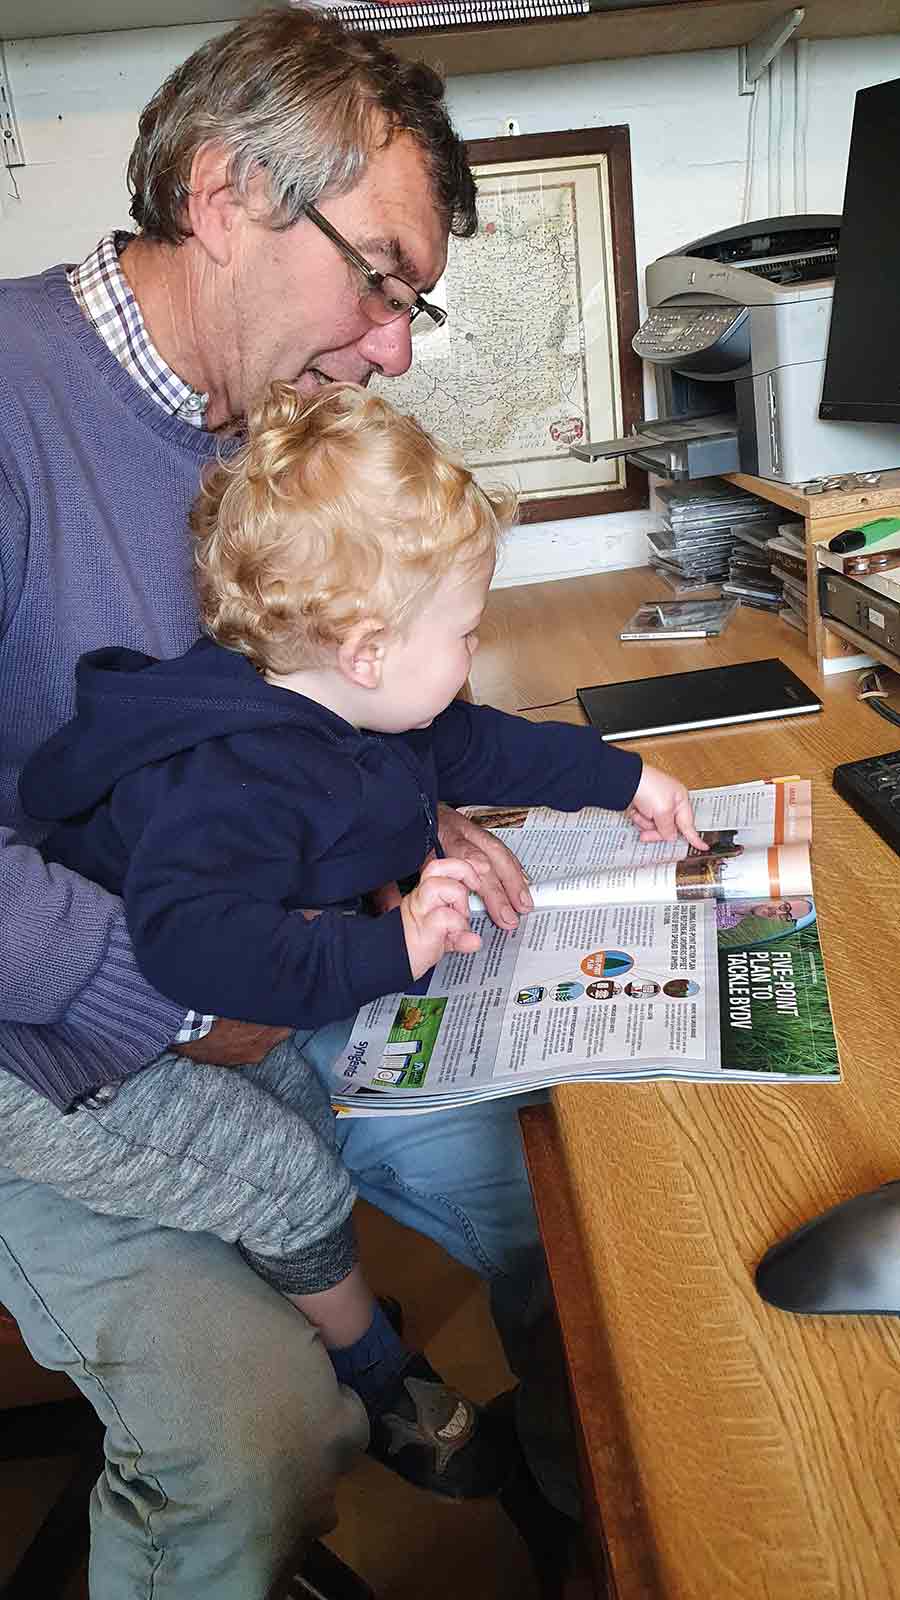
(750, 576)
(787, 553)
(703, 520)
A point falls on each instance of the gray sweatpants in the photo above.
(206, 1150)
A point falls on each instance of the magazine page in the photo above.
(774, 1008)
(699, 990)
(740, 873)
(756, 832)
(624, 987)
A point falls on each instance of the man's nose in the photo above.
(389, 346)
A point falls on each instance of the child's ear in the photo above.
(361, 654)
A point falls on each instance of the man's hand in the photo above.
(661, 809)
(436, 914)
(233, 1044)
(502, 884)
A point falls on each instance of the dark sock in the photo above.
(372, 1364)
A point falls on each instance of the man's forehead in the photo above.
(392, 250)
(396, 212)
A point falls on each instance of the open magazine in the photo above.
(639, 961)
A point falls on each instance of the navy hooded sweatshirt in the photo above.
(220, 807)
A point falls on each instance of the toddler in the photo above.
(245, 798)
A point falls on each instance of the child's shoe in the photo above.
(437, 1439)
(420, 1427)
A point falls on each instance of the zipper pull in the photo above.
(434, 842)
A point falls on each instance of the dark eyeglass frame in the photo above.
(381, 312)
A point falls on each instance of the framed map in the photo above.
(535, 355)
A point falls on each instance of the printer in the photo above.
(736, 334)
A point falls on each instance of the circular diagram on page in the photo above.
(607, 963)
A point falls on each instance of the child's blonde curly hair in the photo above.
(336, 508)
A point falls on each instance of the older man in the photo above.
(293, 188)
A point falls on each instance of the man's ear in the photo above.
(361, 653)
(212, 205)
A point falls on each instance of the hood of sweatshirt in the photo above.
(132, 710)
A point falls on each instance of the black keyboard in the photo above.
(872, 787)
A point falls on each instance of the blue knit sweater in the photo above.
(95, 482)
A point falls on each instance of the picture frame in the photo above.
(542, 305)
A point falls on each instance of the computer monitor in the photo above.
(862, 370)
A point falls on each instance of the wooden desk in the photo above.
(733, 1452)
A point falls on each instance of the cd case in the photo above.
(679, 619)
(682, 583)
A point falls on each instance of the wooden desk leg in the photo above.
(619, 1543)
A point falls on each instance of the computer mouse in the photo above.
(847, 1260)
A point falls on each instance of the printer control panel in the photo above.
(683, 331)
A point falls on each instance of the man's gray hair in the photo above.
(298, 97)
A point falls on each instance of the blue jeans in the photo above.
(226, 1430)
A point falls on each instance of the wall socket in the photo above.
(511, 127)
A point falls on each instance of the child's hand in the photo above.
(436, 914)
(661, 809)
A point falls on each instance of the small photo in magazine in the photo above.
(679, 619)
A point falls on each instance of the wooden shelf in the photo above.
(835, 503)
(620, 32)
(824, 515)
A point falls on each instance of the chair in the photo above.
(43, 1415)
(323, 1576)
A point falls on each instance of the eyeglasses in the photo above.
(386, 298)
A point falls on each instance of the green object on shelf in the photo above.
(868, 533)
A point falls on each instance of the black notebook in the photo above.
(679, 701)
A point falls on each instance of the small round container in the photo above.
(870, 561)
